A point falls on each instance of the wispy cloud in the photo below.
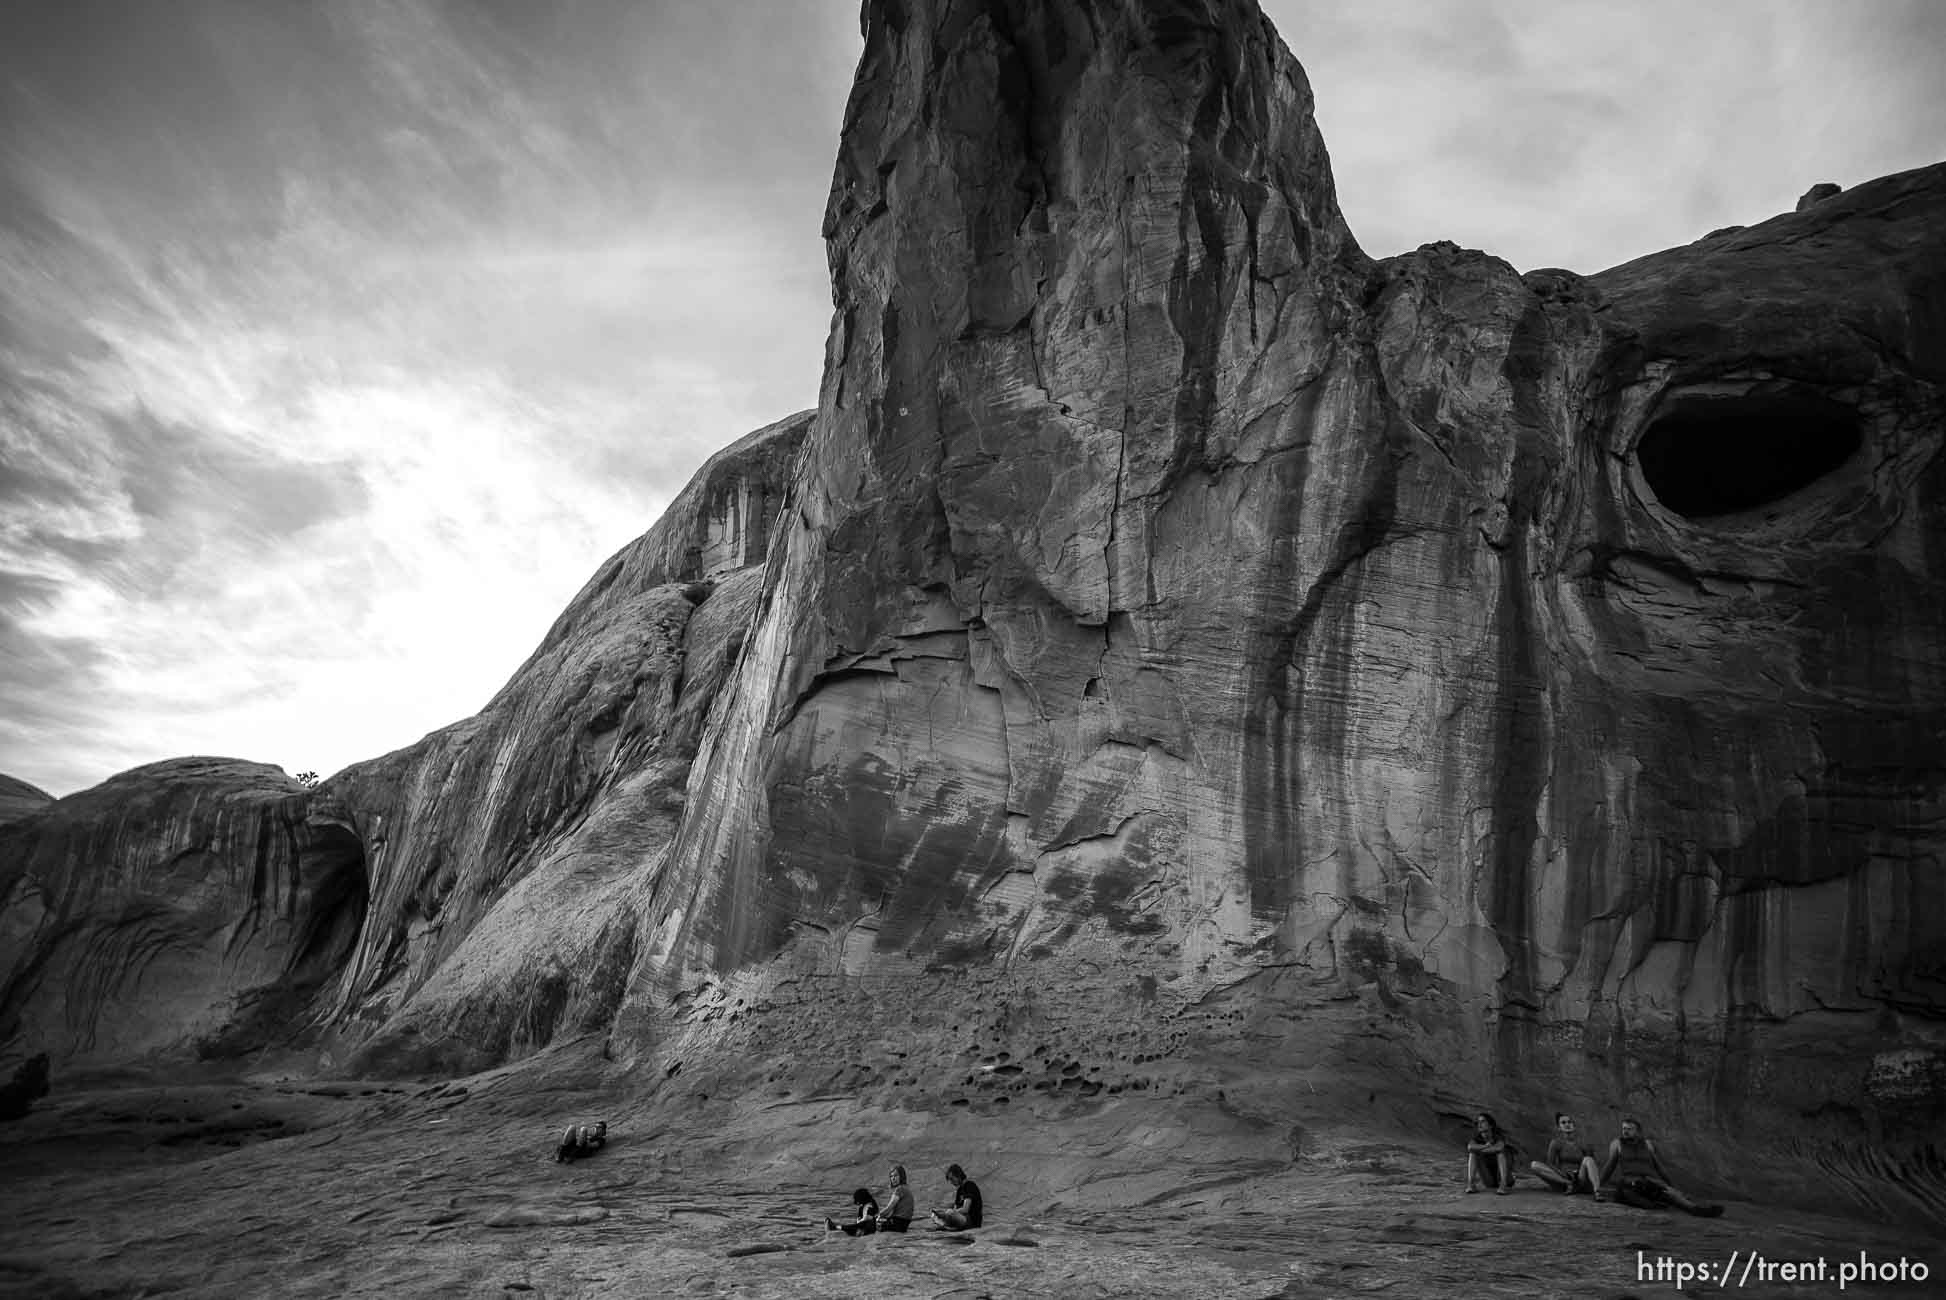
(1584, 134)
(342, 342)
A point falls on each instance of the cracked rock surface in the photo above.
(338, 1188)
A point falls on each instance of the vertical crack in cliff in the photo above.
(1128, 415)
(1413, 869)
(1278, 728)
(1521, 757)
(1196, 304)
(1519, 770)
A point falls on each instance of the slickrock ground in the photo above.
(250, 1188)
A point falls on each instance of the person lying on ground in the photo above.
(1635, 1174)
(1487, 1158)
(966, 1202)
(1569, 1167)
(897, 1214)
(867, 1220)
(581, 1140)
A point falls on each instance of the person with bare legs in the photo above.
(867, 1221)
(1487, 1158)
(1569, 1167)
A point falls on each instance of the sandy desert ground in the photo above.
(298, 1188)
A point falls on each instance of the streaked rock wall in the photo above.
(441, 908)
(184, 909)
(1334, 677)
(1187, 657)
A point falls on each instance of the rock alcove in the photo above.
(1714, 452)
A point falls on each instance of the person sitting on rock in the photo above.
(1569, 1167)
(966, 1202)
(1487, 1157)
(1634, 1171)
(581, 1140)
(867, 1221)
(897, 1214)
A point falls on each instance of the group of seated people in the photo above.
(1632, 1173)
(581, 1140)
(896, 1215)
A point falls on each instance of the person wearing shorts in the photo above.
(1569, 1166)
(1487, 1158)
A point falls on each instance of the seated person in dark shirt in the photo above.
(1635, 1174)
(894, 1216)
(966, 1202)
(867, 1221)
(579, 1140)
(1488, 1160)
(1569, 1167)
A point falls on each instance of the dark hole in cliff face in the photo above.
(1712, 454)
(333, 864)
(333, 895)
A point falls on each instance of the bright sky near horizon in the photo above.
(341, 342)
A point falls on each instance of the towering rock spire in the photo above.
(1289, 653)
(1081, 254)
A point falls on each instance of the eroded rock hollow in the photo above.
(1186, 655)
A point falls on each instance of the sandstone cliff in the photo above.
(1192, 658)
(18, 798)
(507, 851)
(208, 907)
(1205, 658)
(184, 909)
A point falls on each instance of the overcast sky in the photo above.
(341, 341)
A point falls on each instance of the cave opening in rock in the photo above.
(1722, 454)
(334, 892)
(334, 863)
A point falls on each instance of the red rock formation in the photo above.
(449, 905)
(1200, 644)
(1191, 657)
(181, 909)
(507, 851)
